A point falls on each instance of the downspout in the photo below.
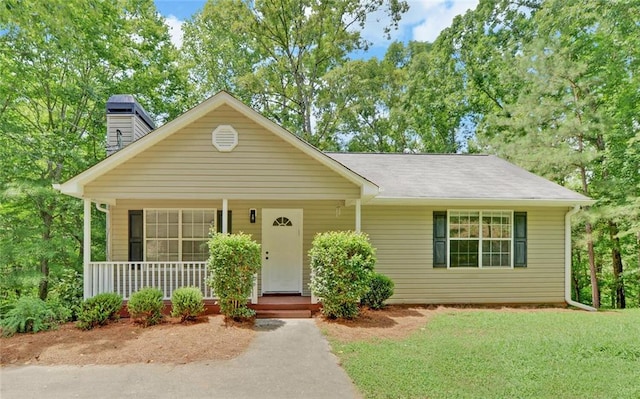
(107, 227)
(567, 262)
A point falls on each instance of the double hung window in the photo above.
(177, 234)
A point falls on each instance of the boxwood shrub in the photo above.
(380, 289)
(187, 303)
(341, 267)
(99, 310)
(145, 306)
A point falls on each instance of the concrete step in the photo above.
(283, 314)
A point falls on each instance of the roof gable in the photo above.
(75, 186)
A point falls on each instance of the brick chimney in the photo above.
(127, 121)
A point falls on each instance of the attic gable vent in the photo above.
(225, 138)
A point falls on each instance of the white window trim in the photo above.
(480, 266)
(180, 238)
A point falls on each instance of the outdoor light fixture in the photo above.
(252, 215)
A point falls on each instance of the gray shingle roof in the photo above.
(452, 176)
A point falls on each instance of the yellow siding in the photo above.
(187, 165)
(403, 239)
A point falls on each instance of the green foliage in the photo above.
(68, 292)
(187, 303)
(59, 62)
(502, 354)
(341, 267)
(249, 47)
(235, 259)
(99, 310)
(145, 306)
(28, 314)
(380, 289)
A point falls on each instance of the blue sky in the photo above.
(424, 21)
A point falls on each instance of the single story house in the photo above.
(448, 229)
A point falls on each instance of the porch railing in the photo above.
(125, 278)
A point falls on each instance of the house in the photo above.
(447, 228)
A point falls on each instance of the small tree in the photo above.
(234, 260)
(341, 267)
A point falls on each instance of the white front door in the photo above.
(282, 250)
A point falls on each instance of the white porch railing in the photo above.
(125, 278)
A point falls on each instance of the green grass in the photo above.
(498, 354)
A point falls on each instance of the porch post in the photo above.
(358, 215)
(86, 253)
(225, 216)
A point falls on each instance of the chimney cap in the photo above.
(125, 104)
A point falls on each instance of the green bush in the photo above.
(187, 303)
(145, 306)
(99, 310)
(380, 289)
(341, 268)
(28, 314)
(234, 260)
(68, 291)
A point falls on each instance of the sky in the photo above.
(424, 21)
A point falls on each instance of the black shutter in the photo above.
(136, 248)
(439, 239)
(520, 239)
(219, 222)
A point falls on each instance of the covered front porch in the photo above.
(125, 277)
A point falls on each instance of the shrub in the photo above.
(99, 310)
(60, 311)
(68, 291)
(235, 259)
(380, 289)
(145, 306)
(28, 314)
(341, 267)
(187, 303)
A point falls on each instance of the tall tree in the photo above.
(569, 120)
(275, 54)
(59, 62)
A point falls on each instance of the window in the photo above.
(282, 221)
(480, 238)
(483, 239)
(177, 234)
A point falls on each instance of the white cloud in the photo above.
(424, 21)
(437, 15)
(175, 30)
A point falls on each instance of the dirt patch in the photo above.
(124, 342)
(397, 322)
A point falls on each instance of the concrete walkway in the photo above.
(288, 359)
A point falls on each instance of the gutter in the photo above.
(567, 262)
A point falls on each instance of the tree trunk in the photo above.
(43, 287)
(616, 260)
(576, 279)
(595, 291)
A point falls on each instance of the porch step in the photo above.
(283, 314)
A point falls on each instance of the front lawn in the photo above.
(502, 354)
